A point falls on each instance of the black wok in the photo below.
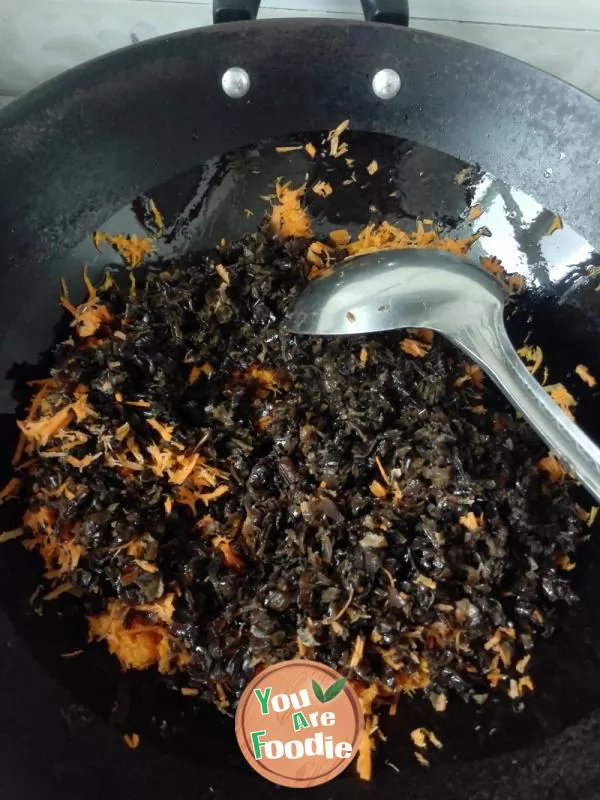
(78, 148)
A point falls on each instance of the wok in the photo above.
(154, 118)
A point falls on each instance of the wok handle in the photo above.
(234, 10)
(393, 11)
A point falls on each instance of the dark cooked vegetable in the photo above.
(220, 496)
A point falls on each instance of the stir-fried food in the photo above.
(219, 496)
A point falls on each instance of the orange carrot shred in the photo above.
(132, 740)
(414, 348)
(166, 431)
(584, 373)
(322, 188)
(378, 490)
(288, 218)
(552, 467)
(470, 521)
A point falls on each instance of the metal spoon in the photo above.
(417, 288)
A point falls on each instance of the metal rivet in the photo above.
(386, 84)
(235, 82)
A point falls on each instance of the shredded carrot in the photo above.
(494, 676)
(478, 409)
(525, 683)
(319, 256)
(378, 490)
(357, 652)
(189, 691)
(168, 504)
(8, 536)
(515, 283)
(138, 403)
(564, 562)
(372, 167)
(364, 762)
(310, 149)
(196, 371)
(263, 422)
(414, 348)
(36, 403)
(340, 237)
(364, 355)
(42, 430)
(385, 236)
(165, 431)
(419, 737)
(470, 521)
(423, 762)
(333, 137)
(157, 216)
(288, 218)
(382, 471)
(267, 380)
(82, 463)
(132, 740)
(146, 566)
(140, 643)
(11, 489)
(552, 467)
(583, 372)
(208, 497)
(288, 148)
(132, 249)
(179, 472)
(473, 374)
(322, 188)
(90, 315)
(493, 265)
(223, 273)
(562, 397)
(533, 355)
(425, 334)
(522, 664)
(59, 550)
(555, 225)
(230, 558)
(474, 213)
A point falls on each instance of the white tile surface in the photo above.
(40, 38)
(576, 14)
(573, 56)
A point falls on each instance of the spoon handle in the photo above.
(489, 345)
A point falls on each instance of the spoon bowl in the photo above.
(420, 288)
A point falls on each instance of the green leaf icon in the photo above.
(332, 692)
(318, 692)
(334, 689)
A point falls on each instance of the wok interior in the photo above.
(222, 199)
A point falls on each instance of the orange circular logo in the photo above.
(299, 723)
